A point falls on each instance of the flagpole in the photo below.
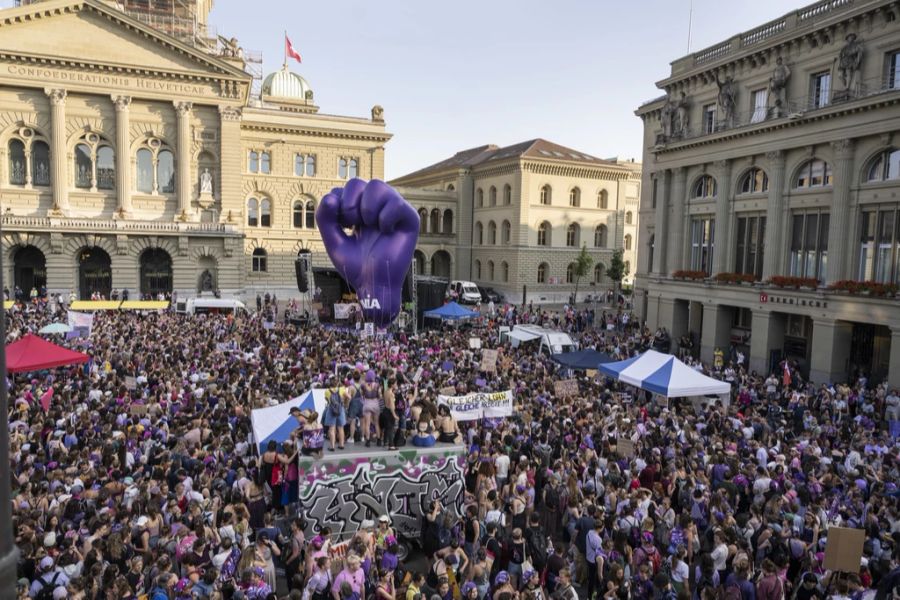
(285, 48)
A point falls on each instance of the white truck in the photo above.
(549, 341)
(200, 306)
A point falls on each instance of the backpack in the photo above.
(551, 498)
(698, 514)
(733, 592)
(634, 536)
(46, 591)
(335, 404)
(703, 583)
(537, 547)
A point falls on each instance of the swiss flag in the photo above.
(786, 376)
(289, 50)
(45, 399)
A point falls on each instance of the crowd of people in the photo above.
(139, 478)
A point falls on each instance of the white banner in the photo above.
(81, 322)
(480, 405)
(343, 311)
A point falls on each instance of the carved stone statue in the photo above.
(778, 87)
(682, 109)
(849, 62)
(206, 184)
(727, 96)
(308, 95)
(667, 116)
(206, 281)
(377, 113)
(230, 47)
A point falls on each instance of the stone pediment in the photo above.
(93, 36)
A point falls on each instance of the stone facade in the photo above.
(131, 141)
(775, 154)
(499, 209)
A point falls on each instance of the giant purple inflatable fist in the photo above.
(375, 257)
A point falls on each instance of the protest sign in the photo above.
(418, 374)
(625, 447)
(345, 310)
(489, 360)
(369, 330)
(843, 549)
(138, 410)
(474, 343)
(130, 382)
(81, 323)
(447, 391)
(566, 387)
(479, 405)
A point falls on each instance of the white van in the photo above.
(202, 306)
(466, 292)
(550, 340)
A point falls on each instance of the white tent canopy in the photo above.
(664, 374)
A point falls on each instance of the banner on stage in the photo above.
(480, 405)
(345, 310)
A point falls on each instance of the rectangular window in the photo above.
(893, 75)
(265, 162)
(820, 89)
(702, 244)
(751, 234)
(760, 105)
(299, 162)
(809, 245)
(253, 162)
(709, 118)
(653, 191)
(879, 257)
(311, 165)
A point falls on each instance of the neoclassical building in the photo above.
(515, 218)
(773, 159)
(137, 152)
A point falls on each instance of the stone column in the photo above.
(679, 219)
(123, 154)
(774, 245)
(840, 209)
(723, 202)
(59, 176)
(716, 331)
(894, 364)
(830, 350)
(183, 170)
(661, 228)
(768, 334)
(9, 553)
(231, 165)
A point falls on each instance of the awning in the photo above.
(522, 336)
(145, 305)
(95, 305)
(32, 353)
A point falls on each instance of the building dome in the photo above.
(287, 85)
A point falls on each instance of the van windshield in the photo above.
(470, 289)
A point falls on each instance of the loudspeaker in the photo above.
(301, 266)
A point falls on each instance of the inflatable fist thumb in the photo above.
(375, 256)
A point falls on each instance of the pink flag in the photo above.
(45, 399)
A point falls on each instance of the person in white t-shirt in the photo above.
(502, 465)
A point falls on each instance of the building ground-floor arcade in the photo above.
(831, 336)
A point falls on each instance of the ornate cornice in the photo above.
(584, 172)
(230, 113)
(122, 102)
(314, 132)
(57, 95)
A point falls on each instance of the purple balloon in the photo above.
(375, 256)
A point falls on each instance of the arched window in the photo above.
(542, 273)
(253, 161)
(423, 220)
(603, 199)
(297, 214)
(813, 173)
(29, 268)
(353, 169)
(252, 212)
(507, 194)
(570, 273)
(106, 168)
(145, 171)
(156, 272)
(477, 269)
(435, 225)
(546, 195)
(490, 270)
(492, 233)
(479, 233)
(493, 196)
(265, 212)
(504, 271)
(479, 198)
(40, 163)
(419, 257)
(451, 187)
(448, 222)
(507, 231)
(342, 168)
(84, 166)
(754, 181)
(543, 234)
(310, 166)
(94, 272)
(260, 260)
(627, 269)
(705, 187)
(628, 241)
(600, 236)
(885, 166)
(629, 217)
(165, 172)
(311, 214)
(598, 272)
(575, 197)
(17, 162)
(572, 235)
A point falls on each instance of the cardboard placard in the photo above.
(369, 330)
(474, 343)
(625, 447)
(566, 387)
(844, 549)
(418, 374)
(489, 360)
(138, 410)
(130, 382)
(447, 391)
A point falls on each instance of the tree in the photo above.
(617, 270)
(583, 265)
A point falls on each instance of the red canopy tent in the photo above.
(33, 353)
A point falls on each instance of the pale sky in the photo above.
(456, 74)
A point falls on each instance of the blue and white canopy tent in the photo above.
(452, 312)
(665, 375)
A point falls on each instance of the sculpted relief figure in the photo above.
(849, 63)
(727, 96)
(206, 185)
(778, 87)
